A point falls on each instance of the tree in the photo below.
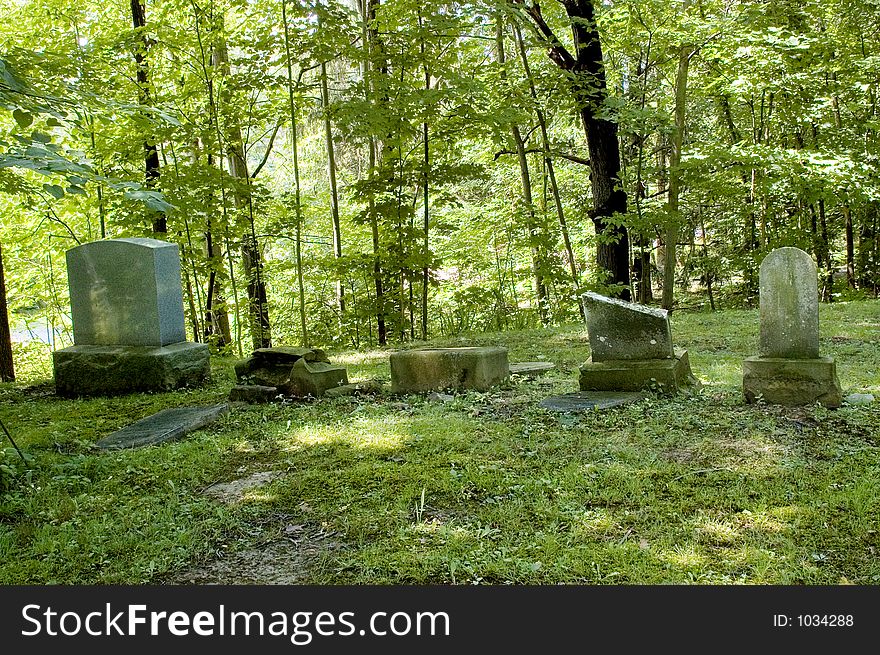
(586, 70)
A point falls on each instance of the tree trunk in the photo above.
(373, 44)
(334, 196)
(7, 369)
(297, 198)
(528, 202)
(151, 153)
(551, 173)
(673, 225)
(252, 261)
(590, 92)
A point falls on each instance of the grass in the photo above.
(488, 488)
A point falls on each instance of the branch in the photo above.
(561, 155)
(555, 50)
(268, 151)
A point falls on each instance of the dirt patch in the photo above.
(284, 560)
(234, 491)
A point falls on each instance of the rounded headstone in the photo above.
(789, 302)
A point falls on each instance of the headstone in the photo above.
(789, 302)
(624, 330)
(435, 369)
(162, 426)
(294, 372)
(789, 369)
(586, 401)
(128, 325)
(125, 292)
(631, 349)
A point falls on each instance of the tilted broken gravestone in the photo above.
(789, 369)
(435, 369)
(162, 426)
(291, 372)
(631, 348)
(128, 328)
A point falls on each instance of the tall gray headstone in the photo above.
(789, 369)
(126, 292)
(625, 330)
(789, 304)
(128, 325)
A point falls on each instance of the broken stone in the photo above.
(253, 393)
(585, 401)
(162, 426)
(313, 379)
(625, 330)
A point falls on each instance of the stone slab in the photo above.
(109, 370)
(664, 375)
(162, 426)
(624, 330)
(587, 401)
(789, 305)
(531, 368)
(436, 369)
(125, 292)
(793, 382)
(253, 393)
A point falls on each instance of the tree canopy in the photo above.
(358, 173)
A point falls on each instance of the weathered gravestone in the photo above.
(435, 369)
(631, 348)
(162, 426)
(789, 369)
(290, 372)
(128, 329)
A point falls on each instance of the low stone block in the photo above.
(792, 382)
(435, 369)
(531, 369)
(253, 393)
(668, 375)
(163, 426)
(109, 370)
(313, 379)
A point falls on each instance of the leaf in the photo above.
(23, 118)
(152, 199)
(54, 190)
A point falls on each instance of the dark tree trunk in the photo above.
(590, 91)
(7, 370)
(151, 153)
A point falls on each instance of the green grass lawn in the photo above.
(487, 488)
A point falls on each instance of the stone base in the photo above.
(435, 369)
(111, 370)
(668, 375)
(791, 381)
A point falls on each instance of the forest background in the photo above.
(351, 174)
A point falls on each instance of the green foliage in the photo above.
(483, 488)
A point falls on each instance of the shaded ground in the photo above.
(285, 555)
